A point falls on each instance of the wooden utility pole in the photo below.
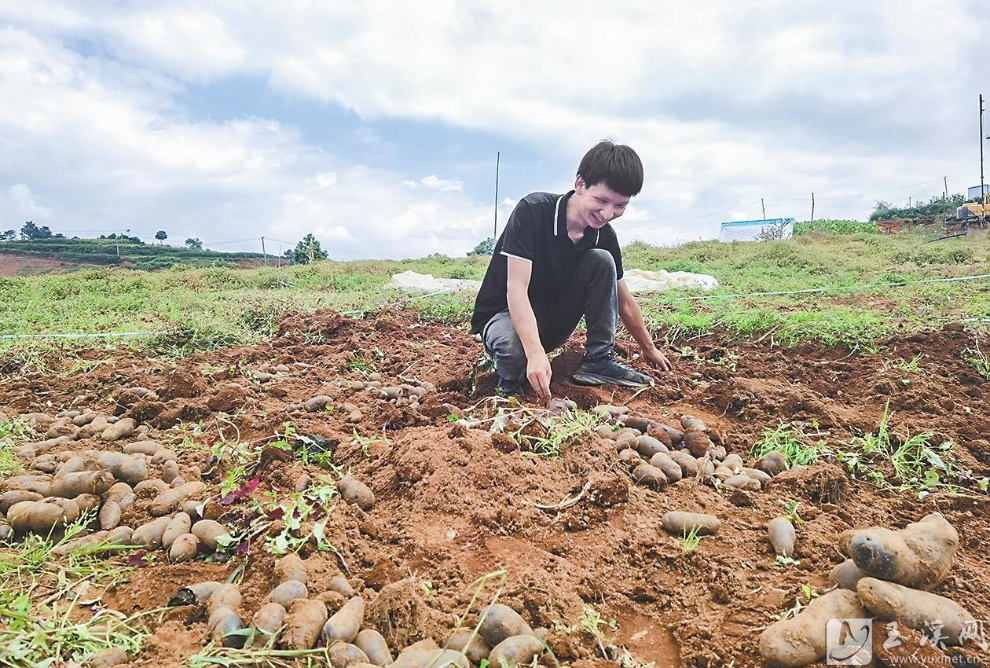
(263, 253)
(812, 207)
(763, 208)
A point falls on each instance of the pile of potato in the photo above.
(290, 619)
(64, 483)
(660, 455)
(887, 576)
(405, 394)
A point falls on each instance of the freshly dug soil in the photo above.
(455, 503)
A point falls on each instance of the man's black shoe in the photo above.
(609, 371)
(506, 389)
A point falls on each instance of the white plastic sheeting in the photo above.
(638, 280)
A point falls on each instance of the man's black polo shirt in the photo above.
(537, 232)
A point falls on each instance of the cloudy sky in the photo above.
(375, 125)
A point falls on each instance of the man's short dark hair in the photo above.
(615, 165)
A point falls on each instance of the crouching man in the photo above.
(557, 260)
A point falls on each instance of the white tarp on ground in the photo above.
(641, 280)
(638, 280)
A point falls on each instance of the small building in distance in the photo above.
(770, 229)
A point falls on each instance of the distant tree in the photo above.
(195, 244)
(308, 250)
(486, 247)
(161, 236)
(9, 234)
(31, 231)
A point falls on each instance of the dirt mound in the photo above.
(456, 503)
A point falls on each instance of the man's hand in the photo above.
(657, 358)
(538, 374)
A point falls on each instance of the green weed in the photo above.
(977, 359)
(790, 441)
(690, 540)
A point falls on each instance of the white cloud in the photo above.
(435, 183)
(19, 206)
(726, 102)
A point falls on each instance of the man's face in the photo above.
(599, 203)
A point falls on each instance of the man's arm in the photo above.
(632, 318)
(524, 320)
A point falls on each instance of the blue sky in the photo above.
(375, 125)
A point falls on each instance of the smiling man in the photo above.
(557, 260)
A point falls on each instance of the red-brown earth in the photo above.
(454, 504)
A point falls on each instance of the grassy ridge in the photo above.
(115, 252)
(871, 283)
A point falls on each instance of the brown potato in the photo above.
(697, 443)
(356, 493)
(670, 468)
(303, 624)
(846, 575)
(915, 609)
(266, 624)
(148, 448)
(341, 586)
(121, 429)
(345, 623)
(287, 592)
(170, 500)
(374, 646)
(224, 595)
(919, 555)
(82, 543)
(800, 640)
(209, 533)
(470, 643)
(343, 654)
(119, 492)
(181, 523)
(651, 476)
(184, 548)
(516, 651)
(149, 536)
(773, 463)
(430, 658)
(112, 656)
(290, 567)
(742, 481)
(38, 484)
(7, 499)
(781, 533)
(42, 516)
(224, 627)
(499, 622)
(681, 523)
(649, 446)
(87, 502)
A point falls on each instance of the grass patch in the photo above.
(791, 441)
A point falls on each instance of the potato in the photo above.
(499, 622)
(87, 502)
(781, 533)
(356, 493)
(681, 523)
(913, 608)
(761, 476)
(42, 516)
(341, 586)
(94, 427)
(38, 484)
(691, 423)
(120, 535)
(606, 432)
(111, 656)
(649, 446)
(7, 499)
(149, 536)
(801, 640)
(287, 592)
(516, 651)
(225, 595)
(651, 476)
(374, 646)
(119, 492)
(224, 627)
(132, 469)
(164, 455)
(742, 481)
(32, 450)
(639, 423)
(919, 555)
(81, 482)
(345, 623)
(75, 464)
(82, 543)
(344, 654)
(630, 457)
(291, 567)
(846, 575)
(151, 488)
(317, 403)
(181, 523)
(209, 533)
(697, 443)
(687, 462)
(723, 473)
(170, 500)
(170, 471)
(195, 594)
(148, 448)
(471, 644)
(266, 624)
(120, 429)
(184, 548)
(303, 624)
(773, 463)
(430, 658)
(733, 462)
(669, 467)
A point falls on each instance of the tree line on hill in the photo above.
(306, 251)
